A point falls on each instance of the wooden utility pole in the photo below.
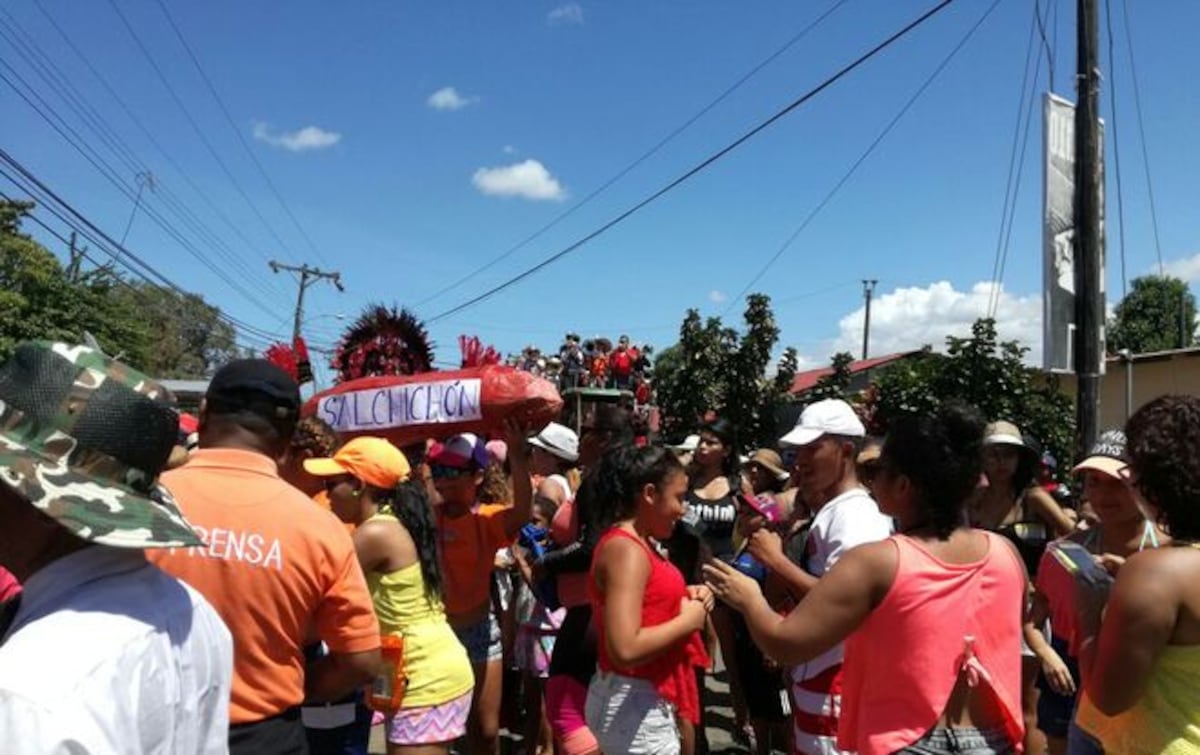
(1089, 306)
(868, 293)
(308, 276)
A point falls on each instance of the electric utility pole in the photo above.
(1089, 323)
(308, 276)
(868, 293)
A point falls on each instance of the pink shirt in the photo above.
(564, 530)
(9, 586)
(937, 620)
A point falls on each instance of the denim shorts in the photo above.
(962, 742)
(482, 640)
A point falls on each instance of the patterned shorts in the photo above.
(533, 651)
(430, 725)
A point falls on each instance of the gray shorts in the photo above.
(628, 715)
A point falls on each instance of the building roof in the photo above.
(177, 387)
(806, 381)
(1157, 356)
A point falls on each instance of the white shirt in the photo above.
(849, 520)
(107, 654)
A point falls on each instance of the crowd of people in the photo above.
(592, 363)
(280, 589)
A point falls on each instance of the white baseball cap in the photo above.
(829, 417)
(558, 440)
(689, 444)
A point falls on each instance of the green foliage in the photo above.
(151, 328)
(982, 371)
(715, 369)
(1148, 318)
(189, 339)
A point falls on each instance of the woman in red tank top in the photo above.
(931, 616)
(648, 620)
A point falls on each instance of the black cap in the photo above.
(254, 385)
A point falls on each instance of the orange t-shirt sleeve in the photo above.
(494, 518)
(346, 619)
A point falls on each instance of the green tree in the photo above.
(713, 368)
(160, 332)
(189, 338)
(985, 372)
(1158, 314)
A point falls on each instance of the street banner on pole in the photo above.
(1058, 238)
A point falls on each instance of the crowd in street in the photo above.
(280, 589)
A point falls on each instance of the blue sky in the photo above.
(416, 142)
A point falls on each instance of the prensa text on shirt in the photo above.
(432, 403)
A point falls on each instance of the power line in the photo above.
(1112, 103)
(861, 158)
(1041, 27)
(57, 81)
(1009, 193)
(184, 174)
(196, 126)
(32, 185)
(1137, 100)
(119, 280)
(1012, 209)
(702, 165)
(640, 159)
(81, 146)
(238, 132)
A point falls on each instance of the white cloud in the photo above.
(717, 297)
(570, 14)
(301, 140)
(1187, 268)
(528, 180)
(910, 318)
(448, 98)
(509, 149)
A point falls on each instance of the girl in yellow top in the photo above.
(1140, 665)
(368, 484)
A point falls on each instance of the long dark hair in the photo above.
(726, 432)
(941, 454)
(638, 467)
(409, 503)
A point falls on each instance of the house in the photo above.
(189, 393)
(861, 372)
(1128, 384)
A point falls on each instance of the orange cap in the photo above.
(375, 461)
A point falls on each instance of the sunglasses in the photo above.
(439, 472)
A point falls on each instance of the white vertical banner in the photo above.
(1058, 238)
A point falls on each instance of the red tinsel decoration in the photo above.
(282, 356)
(475, 355)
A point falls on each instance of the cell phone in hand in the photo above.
(1080, 563)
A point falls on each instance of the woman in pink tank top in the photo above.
(931, 617)
(648, 620)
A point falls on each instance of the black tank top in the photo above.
(714, 520)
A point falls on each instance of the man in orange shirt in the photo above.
(278, 569)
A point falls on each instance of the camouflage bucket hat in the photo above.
(83, 438)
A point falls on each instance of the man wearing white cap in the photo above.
(827, 440)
